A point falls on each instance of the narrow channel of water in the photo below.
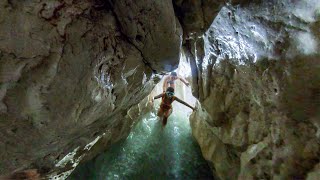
(151, 152)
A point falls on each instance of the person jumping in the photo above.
(165, 107)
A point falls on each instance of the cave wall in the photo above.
(257, 77)
(69, 72)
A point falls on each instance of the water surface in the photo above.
(151, 152)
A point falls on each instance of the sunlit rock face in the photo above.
(258, 82)
(70, 70)
(197, 16)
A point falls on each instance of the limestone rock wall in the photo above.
(70, 70)
(197, 16)
(152, 28)
(257, 76)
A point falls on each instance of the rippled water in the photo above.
(151, 152)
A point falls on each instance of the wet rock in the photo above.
(153, 29)
(213, 149)
(259, 86)
(197, 16)
(315, 173)
(70, 70)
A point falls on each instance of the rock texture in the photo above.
(160, 43)
(197, 16)
(69, 72)
(257, 76)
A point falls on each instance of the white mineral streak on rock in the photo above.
(69, 158)
(103, 76)
(89, 146)
(61, 176)
(144, 80)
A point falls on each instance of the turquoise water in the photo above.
(151, 152)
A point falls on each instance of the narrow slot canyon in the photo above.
(78, 82)
(152, 151)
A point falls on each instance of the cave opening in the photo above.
(151, 150)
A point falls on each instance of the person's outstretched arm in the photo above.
(184, 103)
(184, 81)
(157, 97)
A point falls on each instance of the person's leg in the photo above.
(166, 116)
(170, 111)
(164, 120)
(160, 112)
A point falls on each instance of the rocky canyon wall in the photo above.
(69, 72)
(257, 76)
